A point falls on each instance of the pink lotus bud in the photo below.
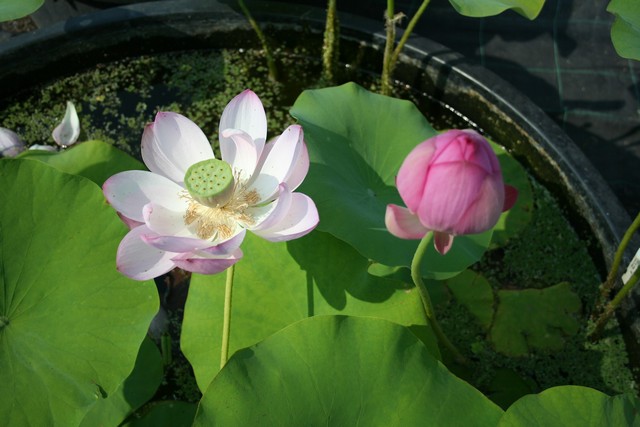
(452, 185)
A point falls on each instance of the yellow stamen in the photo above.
(219, 222)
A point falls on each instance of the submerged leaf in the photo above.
(534, 319)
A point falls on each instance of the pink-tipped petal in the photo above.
(301, 218)
(281, 161)
(138, 260)
(510, 197)
(130, 223)
(403, 224)
(445, 200)
(442, 242)
(128, 192)
(165, 221)
(483, 213)
(412, 175)
(300, 169)
(10, 143)
(208, 265)
(246, 113)
(241, 153)
(270, 215)
(225, 248)
(176, 244)
(68, 131)
(172, 143)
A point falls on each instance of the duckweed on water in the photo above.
(115, 101)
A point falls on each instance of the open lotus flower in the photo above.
(10, 143)
(68, 131)
(192, 210)
(452, 185)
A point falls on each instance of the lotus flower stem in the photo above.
(416, 275)
(613, 304)
(271, 63)
(617, 259)
(331, 41)
(226, 324)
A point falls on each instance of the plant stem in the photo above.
(617, 259)
(416, 275)
(226, 323)
(390, 25)
(271, 63)
(390, 54)
(407, 33)
(330, 45)
(613, 304)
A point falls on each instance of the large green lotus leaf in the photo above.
(625, 32)
(70, 324)
(277, 284)
(534, 319)
(341, 371)
(516, 219)
(14, 9)
(572, 406)
(95, 160)
(480, 8)
(166, 414)
(136, 390)
(357, 141)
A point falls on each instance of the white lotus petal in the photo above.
(10, 143)
(208, 265)
(225, 248)
(175, 244)
(300, 169)
(166, 221)
(246, 113)
(269, 215)
(128, 192)
(172, 143)
(281, 160)
(301, 218)
(241, 153)
(68, 131)
(138, 260)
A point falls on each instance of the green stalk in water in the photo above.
(330, 44)
(271, 63)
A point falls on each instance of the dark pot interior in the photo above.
(484, 99)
